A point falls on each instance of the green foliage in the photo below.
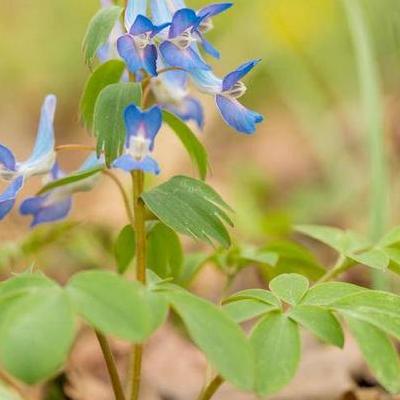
(106, 74)
(290, 288)
(244, 310)
(165, 253)
(72, 178)
(98, 31)
(108, 121)
(222, 341)
(193, 146)
(7, 393)
(116, 306)
(276, 344)
(124, 249)
(190, 207)
(36, 327)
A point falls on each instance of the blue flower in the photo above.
(137, 47)
(179, 49)
(40, 162)
(172, 93)
(226, 92)
(162, 11)
(57, 204)
(141, 130)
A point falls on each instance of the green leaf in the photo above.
(259, 256)
(191, 267)
(190, 207)
(221, 340)
(380, 309)
(7, 393)
(243, 310)
(23, 283)
(108, 121)
(165, 254)
(324, 294)
(276, 344)
(391, 239)
(116, 306)
(106, 74)
(36, 333)
(98, 31)
(374, 258)
(319, 321)
(193, 146)
(289, 287)
(71, 179)
(124, 249)
(379, 353)
(260, 295)
(344, 242)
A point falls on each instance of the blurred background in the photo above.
(328, 85)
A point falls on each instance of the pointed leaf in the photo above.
(374, 258)
(193, 146)
(190, 207)
(379, 353)
(261, 295)
(98, 31)
(106, 74)
(289, 287)
(124, 249)
(276, 343)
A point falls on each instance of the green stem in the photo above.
(342, 265)
(371, 95)
(140, 230)
(111, 367)
(211, 388)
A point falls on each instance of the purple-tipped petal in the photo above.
(44, 210)
(182, 20)
(189, 110)
(133, 9)
(129, 53)
(7, 158)
(152, 121)
(186, 59)
(238, 74)
(214, 9)
(141, 25)
(237, 116)
(128, 163)
(7, 198)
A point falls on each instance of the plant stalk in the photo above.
(140, 230)
(111, 367)
(342, 265)
(211, 388)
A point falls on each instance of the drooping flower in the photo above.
(56, 204)
(227, 91)
(141, 130)
(137, 47)
(172, 93)
(40, 162)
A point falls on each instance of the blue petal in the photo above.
(214, 9)
(91, 161)
(149, 59)
(182, 20)
(190, 110)
(128, 163)
(7, 158)
(175, 79)
(237, 116)
(128, 51)
(238, 74)
(141, 25)
(160, 12)
(42, 157)
(206, 81)
(209, 48)
(187, 59)
(7, 198)
(152, 121)
(133, 9)
(133, 120)
(44, 211)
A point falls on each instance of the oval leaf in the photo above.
(193, 146)
(222, 341)
(190, 207)
(276, 343)
(108, 121)
(116, 306)
(289, 287)
(106, 74)
(244, 310)
(98, 31)
(124, 249)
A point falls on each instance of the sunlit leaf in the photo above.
(243, 310)
(289, 287)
